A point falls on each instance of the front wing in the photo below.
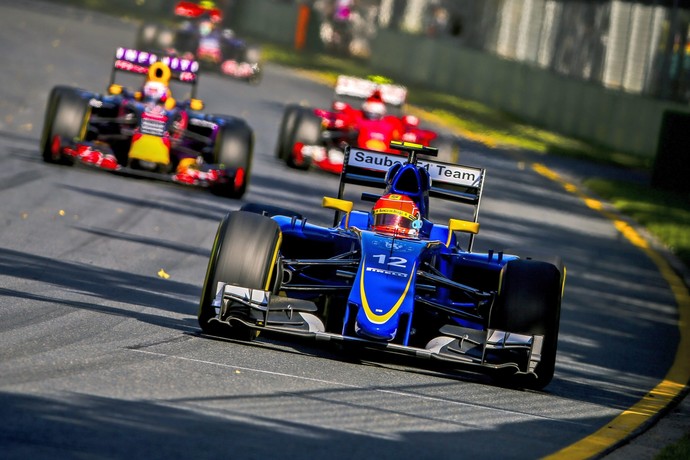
(489, 349)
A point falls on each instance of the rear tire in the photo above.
(287, 125)
(66, 119)
(307, 130)
(244, 253)
(234, 149)
(529, 302)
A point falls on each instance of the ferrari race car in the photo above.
(197, 34)
(388, 278)
(316, 137)
(146, 131)
(188, 9)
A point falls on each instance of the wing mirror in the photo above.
(196, 104)
(339, 205)
(464, 226)
(114, 89)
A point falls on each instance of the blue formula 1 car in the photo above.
(147, 129)
(388, 278)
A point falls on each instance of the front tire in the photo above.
(307, 131)
(234, 149)
(287, 125)
(66, 120)
(529, 302)
(244, 253)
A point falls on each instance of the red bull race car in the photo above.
(388, 278)
(198, 33)
(146, 131)
(365, 113)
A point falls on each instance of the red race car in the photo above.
(197, 33)
(187, 9)
(365, 113)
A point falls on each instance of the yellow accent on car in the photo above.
(465, 226)
(407, 144)
(159, 72)
(85, 124)
(381, 319)
(269, 280)
(375, 144)
(150, 148)
(115, 89)
(397, 212)
(339, 205)
(196, 104)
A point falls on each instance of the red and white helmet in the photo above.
(155, 91)
(397, 215)
(374, 108)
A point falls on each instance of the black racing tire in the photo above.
(244, 253)
(448, 149)
(67, 117)
(529, 302)
(287, 125)
(270, 210)
(307, 130)
(256, 77)
(234, 148)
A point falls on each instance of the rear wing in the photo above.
(448, 181)
(362, 88)
(138, 62)
(459, 183)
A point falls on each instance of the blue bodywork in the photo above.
(430, 296)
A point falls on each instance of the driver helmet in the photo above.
(397, 215)
(155, 92)
(374, 108)
(205, 28)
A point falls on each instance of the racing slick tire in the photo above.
(270, 210)
(234, 149)
(529, 302)
(448, 149)
(244, 253)
(287, 125)
(66, 119)
(256, 77)
(307, 130)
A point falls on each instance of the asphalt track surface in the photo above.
(100, 275)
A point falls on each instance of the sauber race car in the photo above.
(365, 113)
(198, 34)
(146, 131)
(388, 278)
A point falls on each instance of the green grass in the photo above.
(677, 451)
(665, 214)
